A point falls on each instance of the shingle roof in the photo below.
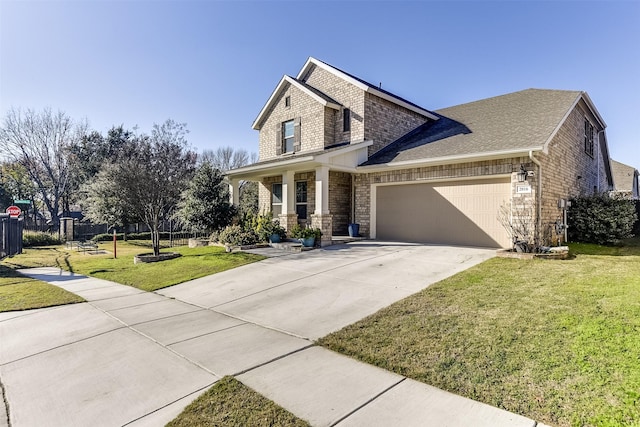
(522, 120)
(623, 176)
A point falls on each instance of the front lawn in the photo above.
(18, 292)
(556, 341)
(194, 263)
(231, 403)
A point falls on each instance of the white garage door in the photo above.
(453, 213)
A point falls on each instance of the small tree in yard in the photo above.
(601, 219)
(205, 203)
(147, 186)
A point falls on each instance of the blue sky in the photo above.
(213, 64)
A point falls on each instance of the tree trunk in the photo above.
(155, 240)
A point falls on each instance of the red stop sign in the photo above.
(14, 211)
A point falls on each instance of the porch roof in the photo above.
(343, 157)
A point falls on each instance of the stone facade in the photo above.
(325, 224)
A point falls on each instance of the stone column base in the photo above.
(288, 221)
(325, 223)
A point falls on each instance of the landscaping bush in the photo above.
(601, 219)
(39, 238)
(636, 229)
(235, 235)
(265, 226)
(298, 232)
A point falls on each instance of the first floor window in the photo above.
(276, 199)
(588, 137)
(301, 200)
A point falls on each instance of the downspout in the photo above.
(539, 192)
(600, 134)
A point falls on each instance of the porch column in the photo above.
(234, 192)
(322, 218)
(288, 218)
(322, 190)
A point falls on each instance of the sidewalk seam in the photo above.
(61, 346)
(367, 402)
(169, 404)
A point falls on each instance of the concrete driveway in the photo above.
(129, 357)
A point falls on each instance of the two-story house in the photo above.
(335, 149)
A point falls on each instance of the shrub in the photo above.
(235, 235)
(298, 232)
(264, 226)
(39, 238)
(636, 229)
(601, 219)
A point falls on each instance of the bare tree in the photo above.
(227, 158)
(38, 141)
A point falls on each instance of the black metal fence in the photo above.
(11, 229)
(170, 235)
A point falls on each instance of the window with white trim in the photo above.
(276, 198)
(301, 200)
(288, 136)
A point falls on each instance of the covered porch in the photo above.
(314, 189)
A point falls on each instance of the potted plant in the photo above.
(307, 235)
(276, 232)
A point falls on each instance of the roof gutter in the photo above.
(493, 155)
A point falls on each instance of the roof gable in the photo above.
(365, 86)
(314, 93)
(624, 176)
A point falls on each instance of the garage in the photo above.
(453, 213)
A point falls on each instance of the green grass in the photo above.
(556, 341)
(194, 263)
(18, 292)
(231, 403)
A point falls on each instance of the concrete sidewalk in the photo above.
(129, 357)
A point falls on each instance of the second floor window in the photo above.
(346, 120)
(288, 136)
(588, 137)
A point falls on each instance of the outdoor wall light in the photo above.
(522, 174)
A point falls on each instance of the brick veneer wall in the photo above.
(348, 95)
(385, 121)
(312, 122)
(340, 201)
(565, 162)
